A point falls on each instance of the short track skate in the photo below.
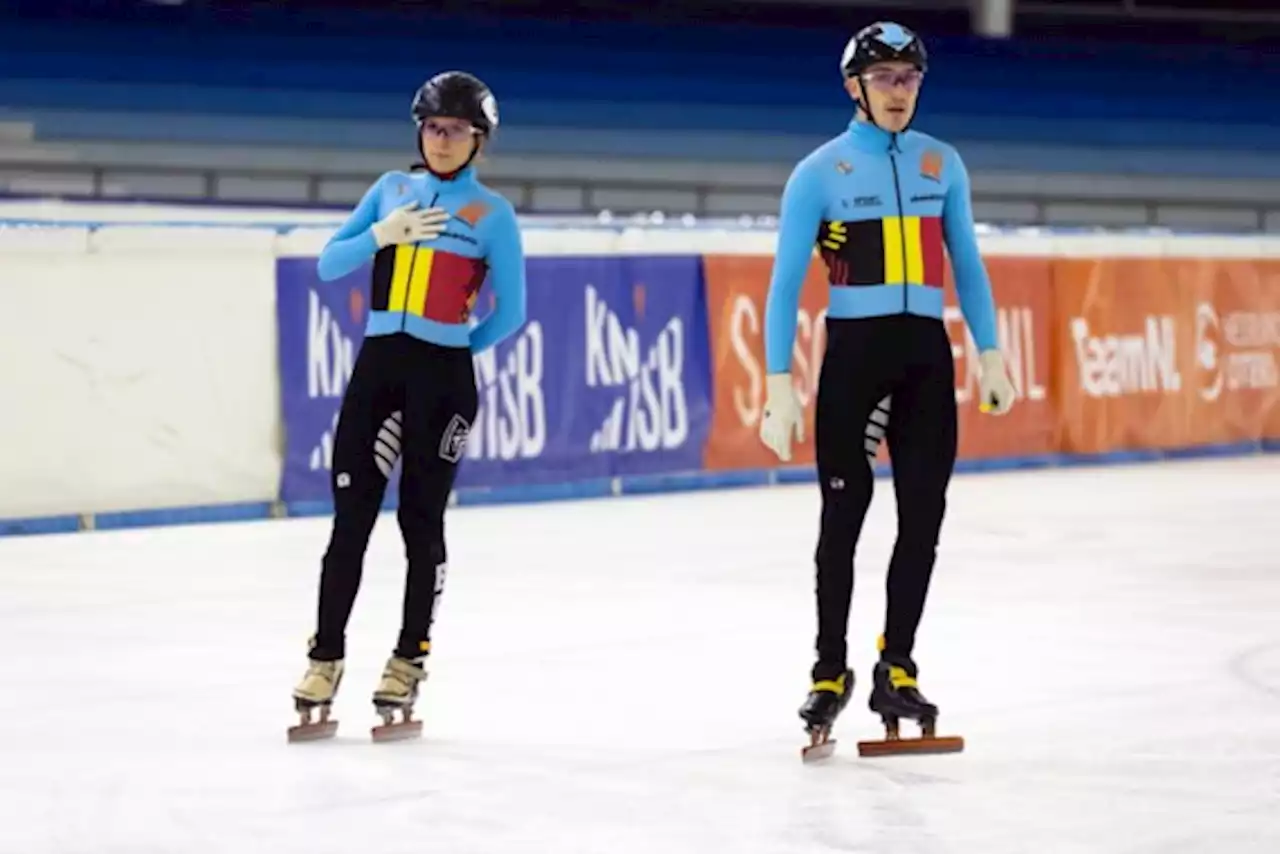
(893, 744)
(396, 694)
(826, 700)
(821, 744)
(896, 695)
(395, 730)
(314, 696)
(310, 729)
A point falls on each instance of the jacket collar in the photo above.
(464, 177)
(868, 137)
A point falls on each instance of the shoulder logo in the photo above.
(931, 165)
(843, 167)
(472, 213)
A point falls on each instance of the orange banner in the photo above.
(736, 290)
(1021, 289)
(1159, 353)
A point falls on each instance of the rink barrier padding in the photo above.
(588, 490)
(639, 370)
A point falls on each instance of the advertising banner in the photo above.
(1021, 288)
(653, 365)
(609, 375)
(736, 289)
(1159, 353)
(737, 286)
(319, 326)
(1235, 360)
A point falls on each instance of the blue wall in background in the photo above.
(630, 79)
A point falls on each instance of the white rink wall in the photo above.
(138, 344)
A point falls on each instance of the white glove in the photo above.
(994, 388)
(407, 224)
(782, 416)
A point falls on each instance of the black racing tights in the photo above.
(415, 401)
(909, 359)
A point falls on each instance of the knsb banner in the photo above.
(319, 328)
(1159, 353)
(736, 290)
(609, 376)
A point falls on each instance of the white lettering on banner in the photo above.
(330, 354)
(1116, 365)
(1015, 335)
(653, 415)
(330, 361)
(744, 321)
(1249, 341)
(810, 332)
(511, 422)
(745, 341)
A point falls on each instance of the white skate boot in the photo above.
(316, 691)
(398, 690)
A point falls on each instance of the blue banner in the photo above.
(610, 375)
(319, 328)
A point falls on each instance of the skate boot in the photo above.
(827, 699)
(895, 694)
(398, 691)
(314, 694)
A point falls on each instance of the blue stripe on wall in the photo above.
(626, 486)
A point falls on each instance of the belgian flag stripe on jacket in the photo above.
(426, 282)
(890, 250)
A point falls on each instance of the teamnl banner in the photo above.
(608, 377)
(737, 286)
(1160, 353)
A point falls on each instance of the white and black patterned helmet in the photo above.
(883, 41)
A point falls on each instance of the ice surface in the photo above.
(622, 676)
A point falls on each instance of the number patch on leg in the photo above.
(454, 441)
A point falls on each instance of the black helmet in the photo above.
(457, 95)
(883, 41)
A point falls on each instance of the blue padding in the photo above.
(182, 516)
(39, 525)
(601, 488)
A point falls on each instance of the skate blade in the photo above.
(911, 746)
(313, 731)
(400, 731)
(818, 752)
(821, 745)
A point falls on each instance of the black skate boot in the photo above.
(895, 694)
(827, 699)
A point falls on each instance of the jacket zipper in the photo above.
(902, 228)
(413, 259)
